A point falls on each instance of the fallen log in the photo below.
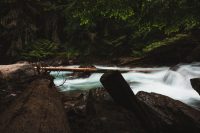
(87, 69)
(37, 110)
(121, 92)
(152, 119)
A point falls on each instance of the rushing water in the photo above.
(174, 83)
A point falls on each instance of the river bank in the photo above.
(99, 113)
(95, 110)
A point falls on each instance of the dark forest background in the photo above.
(41, 29)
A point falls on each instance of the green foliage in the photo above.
(39, 50)
(164, 42)
(89, 11)
(93, 27)
(137, 53)
(69, 54)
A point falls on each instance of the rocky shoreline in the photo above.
(95, 110)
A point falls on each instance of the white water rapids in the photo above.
(162, 80)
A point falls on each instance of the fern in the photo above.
(39, 50)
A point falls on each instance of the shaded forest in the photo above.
(96, 66)
(37, 30)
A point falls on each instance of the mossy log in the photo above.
(37, 110)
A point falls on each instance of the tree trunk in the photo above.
(37, 110)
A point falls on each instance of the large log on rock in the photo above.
(37, 110)
(121, 92)
(153, 120)
(196, 84)
(119, 89)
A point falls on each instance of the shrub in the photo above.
(38, 50)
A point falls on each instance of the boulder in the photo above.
(178, 116)
(13, 80)
(17, 71)
(103, 115)
(37, 110)
(90, 108)
(122, 94)
(157, 113)
(196, 84)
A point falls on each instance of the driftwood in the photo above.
(152, 119)
(37, 110)
(87, 69)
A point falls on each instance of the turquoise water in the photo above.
(162, 80)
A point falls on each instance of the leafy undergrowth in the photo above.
(167, 41)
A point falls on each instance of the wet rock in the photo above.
(75, 103)
(123, 95)
(196, 84)
(38, 109)
(90, 108)
(176, 67)
(17, 71)
(107, 118)
(157, 113)
(178, 116)
(13, 80)
(16, 76)
(111, 117)
(2, 81)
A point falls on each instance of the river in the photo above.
(172, 82)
